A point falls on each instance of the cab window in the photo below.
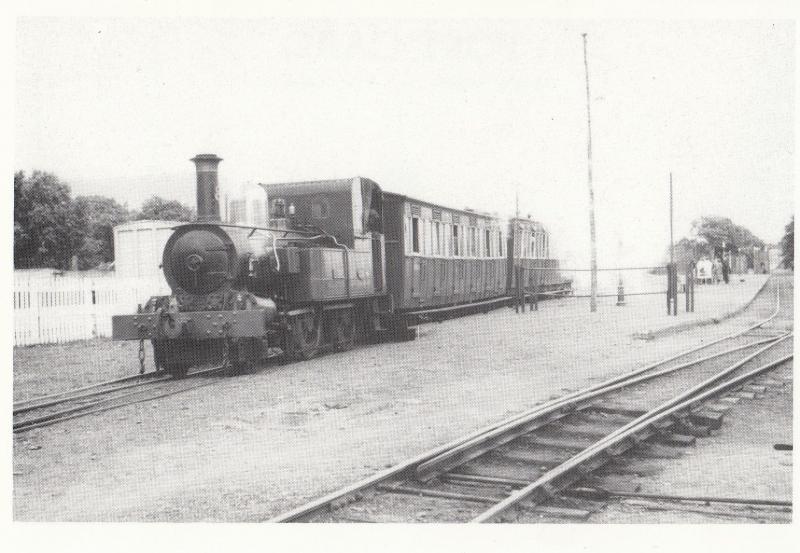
(277, 209)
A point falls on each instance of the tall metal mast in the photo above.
(593, 294)
(671, 239)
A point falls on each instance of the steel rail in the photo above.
(681, 402)
(410, 464)
(29, 425)
(163, 378)
(602, 493)
(86, 409)
(147, 376)
(505, 433)
(600, 388)
(25, 408)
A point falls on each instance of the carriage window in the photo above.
(278, 210)
(429, 237)
(415, 234)
(471, 244)
(437, 237)
(488, 243)
(319, 209)
(456, 242)
(500, 243)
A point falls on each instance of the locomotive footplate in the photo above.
(198, 325)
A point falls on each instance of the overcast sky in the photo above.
(460, 112)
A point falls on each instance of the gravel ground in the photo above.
(40, 370)
(259, 444)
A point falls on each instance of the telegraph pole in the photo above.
(593, 294)
(671, 238)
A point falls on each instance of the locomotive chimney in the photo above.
(207, 188)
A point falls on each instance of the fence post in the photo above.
(38, 311)
(672, 289)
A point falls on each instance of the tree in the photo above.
(22, 208)
(787, 245)
(47, 230)
(715, 236)
(101, 215)
(689, 250)
(158, 208)
(720, 233)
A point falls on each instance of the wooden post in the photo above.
(536, 289)
(669, 292)
(686, 288)
(516, 290)
(672, 289)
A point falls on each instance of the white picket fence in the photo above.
(53, 308)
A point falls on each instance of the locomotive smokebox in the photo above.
(207, 188)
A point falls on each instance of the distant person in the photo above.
(763, 268)
(726, 272)
(704, 270)
(716, 271)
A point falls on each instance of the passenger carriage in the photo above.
(439, 257)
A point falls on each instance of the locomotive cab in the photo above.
(343, 220)
(347, 209)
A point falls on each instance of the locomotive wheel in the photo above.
(305, 337)
(344, 327)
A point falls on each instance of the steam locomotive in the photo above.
(340, 261)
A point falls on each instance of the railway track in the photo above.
(103, 396)
(523, 465)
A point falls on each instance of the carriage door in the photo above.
(377, 262)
